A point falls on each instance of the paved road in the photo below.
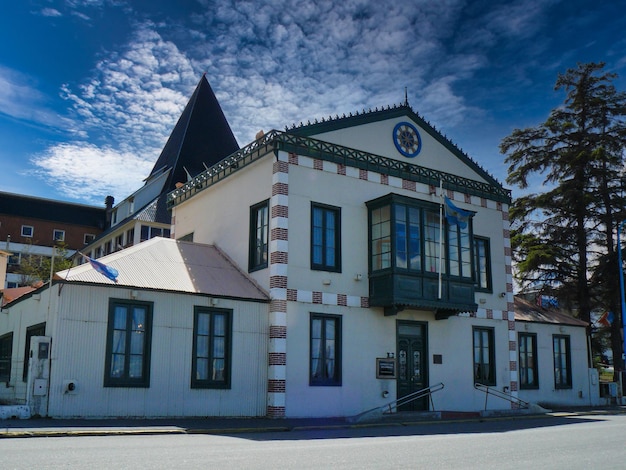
(568, 442)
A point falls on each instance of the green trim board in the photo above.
(274, 141)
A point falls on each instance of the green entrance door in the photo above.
(412, 365)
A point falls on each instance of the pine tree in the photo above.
(563, 235)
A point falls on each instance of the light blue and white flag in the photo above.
(456, 215)
(102, 268)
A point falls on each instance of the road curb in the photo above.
(9, 433)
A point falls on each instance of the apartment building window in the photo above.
(325, 352)
(325, 238)
(211, 348)
(6, 351)
(88, 238)
(28, 231)
(484, 356)
(148, 232)
(58, 235)
(482, 263)
(528, 372)
(259, 236)
(119, 242)
(562, 361)
(129, 333)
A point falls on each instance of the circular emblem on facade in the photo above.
(407, 139)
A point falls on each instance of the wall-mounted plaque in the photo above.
(385, 368)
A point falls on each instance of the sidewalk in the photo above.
(14, 428)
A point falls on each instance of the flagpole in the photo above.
(440, 234)
(54, 249)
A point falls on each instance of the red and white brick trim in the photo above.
(279, 234)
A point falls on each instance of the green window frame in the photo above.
(408, 234)
(484, 356)
(482, 264)
(259, 236)
(528, 367)
(6, 353)
(380, 238)
(405, 235)
(211, 355)
(325, 350)
(325, 238)
(128, 347)
(34, 330)
(459, 251)
(562, 361)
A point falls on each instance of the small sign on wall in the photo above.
(385, 368)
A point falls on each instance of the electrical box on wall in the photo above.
(38, 379)
(40, 387)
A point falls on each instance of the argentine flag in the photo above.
(456, 215)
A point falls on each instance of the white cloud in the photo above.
(20, 99)
(50, 12)
(127, 110)
(83, 171)
(272, 65)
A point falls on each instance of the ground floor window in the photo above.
(211, 348)
(6, 351)
(128, 344)
(528, 361)
(562, 361)
(484, 357)
(325, 365)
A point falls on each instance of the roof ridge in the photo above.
(343, 116)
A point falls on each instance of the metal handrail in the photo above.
(500, 394)
(388, 408)
(412, 397)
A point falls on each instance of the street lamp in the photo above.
(621, 287)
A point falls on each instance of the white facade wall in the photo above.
(375, 138)
(220, 216)
(367, 335)
(365, 327)
(17, 320)
(79, 348)
(584, 392)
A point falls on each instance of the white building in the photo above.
(336, 228)
(140, 346)
(553, 353)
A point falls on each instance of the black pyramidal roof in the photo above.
(202, 136)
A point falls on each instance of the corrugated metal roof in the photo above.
(172, 265)
(527, 311)
(9, 295)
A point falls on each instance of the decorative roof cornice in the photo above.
(314, 148)
(366, 117)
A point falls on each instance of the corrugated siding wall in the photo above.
(79, 348)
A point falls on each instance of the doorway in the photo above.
(412, 363)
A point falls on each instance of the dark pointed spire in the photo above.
(202, 136)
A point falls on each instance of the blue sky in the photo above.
(91, 89)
